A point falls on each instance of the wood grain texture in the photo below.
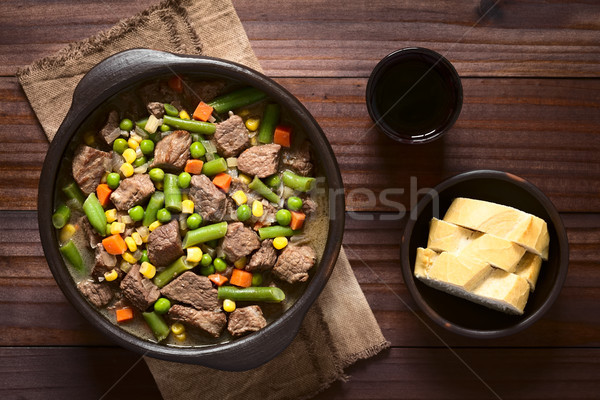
(320, 38)
(35, 312)
(543, 130)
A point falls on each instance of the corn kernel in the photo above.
(159, 185)
(89, 138)
(137, 238)
(148, 270)
(239, 197)
(129, 155)
(111, 215)
(194, 255)
(154, 225)
(244, 178)
(136, 137)
(129, 258)
(253, 141)
(228, 305)
(181, 337)
(131, 245)
(280, 242)
(187, 206)
(145, 238)
(133, 144)
(152, 124)
(177, 328)
(252, 124)
(67, 232)
(184, 196)
(117, 227)
(126, 169)
(184, 115)
(111, 276)
(257, 209)
(244, 113)
(241, 263)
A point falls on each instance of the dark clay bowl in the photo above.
(461, 316)
(120, 72)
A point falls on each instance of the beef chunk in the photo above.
(156, 90)
(208, 200)
(309, 206)
(164, 244)
(298, 159)
(98, 294)
(192, 289)
(141, 292)
(91, 234)
(155, 108)
(172, 152)
(239, 241)
(103, 262)
(246, 319)
(261, 160)
(264, 258)
(204, 91)
(132, 191)
(294, 262)
(111, 129)
(209, 321)
(89, 166)
(231, 137)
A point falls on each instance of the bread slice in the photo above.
(529, 268)
(467, 244)
(505, 222)
(502, 291)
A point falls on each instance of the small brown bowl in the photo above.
(459, 315)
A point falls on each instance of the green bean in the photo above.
(142, 123)
(258, 186)
(61, 216)
(204, 234)
(178, 267)
(237, 99)
(171, 110)
(205, 128)
(156, 203)
(72, 191)
(72, 255)
(172, 193)
(259, 293)
(268, 123)
(273, 181)
(214, 167)
(95, 214)
(157, 324)
(270, 232)
(297, 182)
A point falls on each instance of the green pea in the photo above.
(126, 125)
(120, 145)
(207, 270)
(197, 150)
(136, 213)
(144, 256)
(147, 146)
(139, 161)
(157, 174)
(194, 221)
(162, 305)
(206, 260)
(165, 128)
(284, 217)
(184, 179)
(243, 212)
(171, 110)
(163, 216)
(257, 279)
(294, 203)
(113, 179)
(219, 264)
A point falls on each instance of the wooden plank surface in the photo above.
(323, 38)
(543, 130)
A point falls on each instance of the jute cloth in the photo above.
(340, 327)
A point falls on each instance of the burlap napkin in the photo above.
(340, 327)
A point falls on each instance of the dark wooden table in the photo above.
(531, 76)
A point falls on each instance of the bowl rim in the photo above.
(555, 219)
(286, 326)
